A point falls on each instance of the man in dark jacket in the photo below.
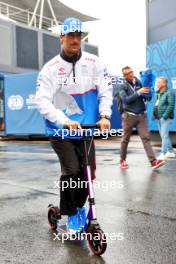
(164, 113)
(134, 115)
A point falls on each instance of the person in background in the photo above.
(134, 116)
(164, 113)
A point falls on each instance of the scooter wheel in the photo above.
(97, 241)
(53, 216)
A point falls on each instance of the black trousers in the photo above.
(72, 159)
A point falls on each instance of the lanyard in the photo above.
(132, 88)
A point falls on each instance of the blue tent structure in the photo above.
(20, 114)
(161, 59)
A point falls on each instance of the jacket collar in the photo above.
(72, 59)
(133, 83)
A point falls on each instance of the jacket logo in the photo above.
(61, 71)
(90, 59)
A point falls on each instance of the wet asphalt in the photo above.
(136, 208)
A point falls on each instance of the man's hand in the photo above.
(104, 124)
(143, 90)
(72, 125)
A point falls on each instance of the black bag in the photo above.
(120, 107)
(119, 104)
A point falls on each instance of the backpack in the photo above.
(119, 104)
(119, 100)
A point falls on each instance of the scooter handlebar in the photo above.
(86, 126)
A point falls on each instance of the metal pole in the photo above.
(28, 18)
(52, 12)
(34, 14)
(41, 14)
(7, 11)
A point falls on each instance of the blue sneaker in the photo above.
(73, 223)
(81, 217)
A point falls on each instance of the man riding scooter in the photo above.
(73, 88)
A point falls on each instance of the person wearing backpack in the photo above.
(164, 113)
(133, 110)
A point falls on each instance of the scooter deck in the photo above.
(63, 232)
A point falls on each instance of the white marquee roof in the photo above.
(61, 11)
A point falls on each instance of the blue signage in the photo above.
(21, 115)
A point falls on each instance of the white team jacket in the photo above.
(59, 97)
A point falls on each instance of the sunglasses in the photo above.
(125, 74)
